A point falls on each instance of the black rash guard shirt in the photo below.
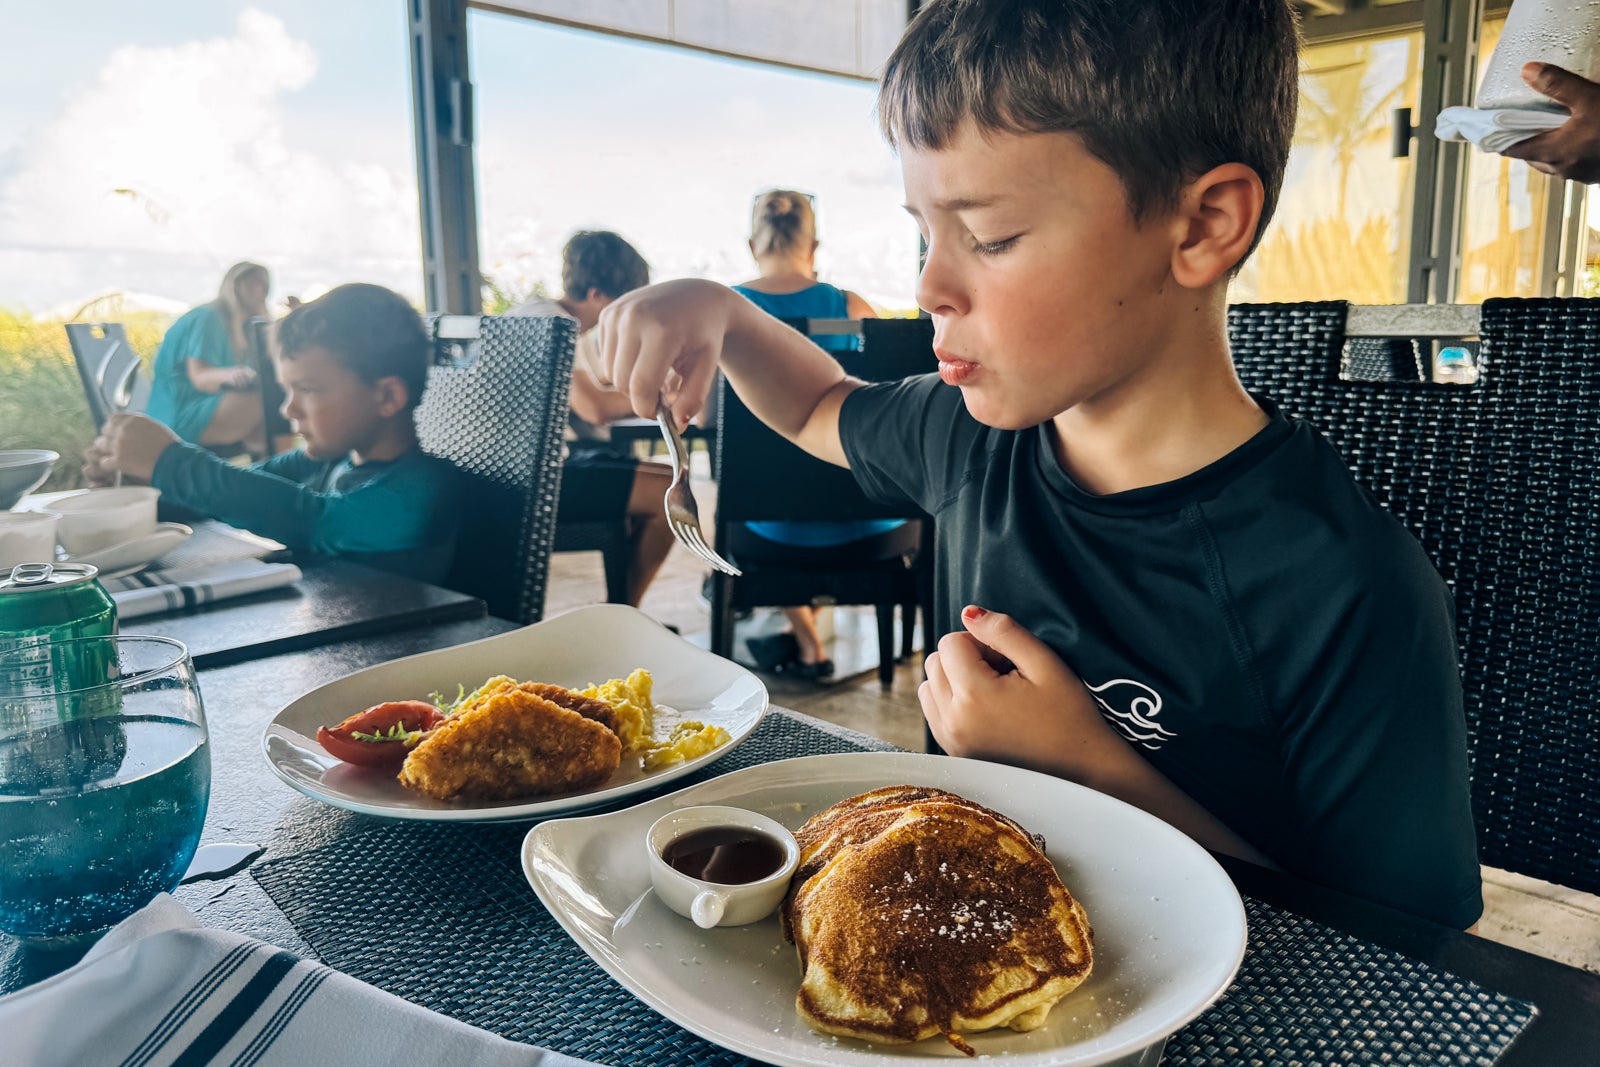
(1265, 634)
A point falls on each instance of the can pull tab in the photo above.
(32, 573)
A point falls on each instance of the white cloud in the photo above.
(176, 161)
(676, 179)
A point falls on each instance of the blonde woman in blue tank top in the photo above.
(783, 240)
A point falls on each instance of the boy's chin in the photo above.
(999, 416)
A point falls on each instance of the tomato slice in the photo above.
(382, 735)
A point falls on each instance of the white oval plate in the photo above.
(589, 645)
(137, 554)
(1169, 927)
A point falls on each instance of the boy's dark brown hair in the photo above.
(1160, 91)
(369, 330)
(599, 259)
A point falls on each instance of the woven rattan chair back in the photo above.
(495, 407)
(101, 352)
(1501, 483)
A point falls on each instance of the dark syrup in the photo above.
(727, 855)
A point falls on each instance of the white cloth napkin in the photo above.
(150, 592)
(158, 989)
(1495, 129)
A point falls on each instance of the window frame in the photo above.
(1450, 30)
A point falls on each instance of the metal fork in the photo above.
(682, 514)
(121, 397)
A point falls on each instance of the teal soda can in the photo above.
(42, 604)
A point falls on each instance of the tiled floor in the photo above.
(1559, 923)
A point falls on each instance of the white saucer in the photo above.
(135, 555)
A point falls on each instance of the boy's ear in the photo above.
(393, 396)
(1217, 213)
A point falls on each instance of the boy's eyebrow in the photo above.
(960, 203)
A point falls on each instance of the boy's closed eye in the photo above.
(994, 248)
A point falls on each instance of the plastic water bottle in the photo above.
(1563, 32)
(1455, 365)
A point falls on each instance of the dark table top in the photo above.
(248, 801)
(333, 601)
(250, 804)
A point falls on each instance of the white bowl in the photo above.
(22, 470)
(714, 902)
(100, 518)
(26, 537)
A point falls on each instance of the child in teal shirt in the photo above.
(353, 365)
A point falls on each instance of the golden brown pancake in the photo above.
(917, 912)
(511, 743)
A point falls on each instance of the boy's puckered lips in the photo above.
(954, 370)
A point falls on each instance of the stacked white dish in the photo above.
(114, 529)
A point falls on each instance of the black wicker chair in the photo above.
(103, 358)
(1382, 359)
(495, 407)
(276, 427)
(763, 478)
(613, 539)
(1501, 483)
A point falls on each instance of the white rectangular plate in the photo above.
(1169, 926)
(586, 646)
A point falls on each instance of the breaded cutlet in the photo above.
(511, 743)
(588, 707)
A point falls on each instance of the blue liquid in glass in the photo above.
(97, 816)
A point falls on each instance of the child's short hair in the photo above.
(1161, 91)
(780, 220)
(371, 331)
(599, 259)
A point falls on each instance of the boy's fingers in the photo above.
(694, 389)
(933, 670)
(931, 712)
(633, 356)
(600, 363)
(963, 663)
(1008, 640)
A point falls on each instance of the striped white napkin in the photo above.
(151, 592)
(159, 990)
(1495, 129)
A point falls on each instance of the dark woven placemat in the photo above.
(1309, 995)
(442, 915)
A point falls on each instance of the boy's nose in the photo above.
(938, 289)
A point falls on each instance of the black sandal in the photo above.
(810, 671)
(775, 652)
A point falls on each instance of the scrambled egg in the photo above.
(689, 740)
(636, 714)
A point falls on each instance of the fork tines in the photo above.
(692, 539)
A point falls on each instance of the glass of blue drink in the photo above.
(105, 772)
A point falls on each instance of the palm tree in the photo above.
(1342, 107)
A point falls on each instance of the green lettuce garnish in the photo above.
(397, 732)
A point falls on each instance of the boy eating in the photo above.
(353, 364)
(1173, 594)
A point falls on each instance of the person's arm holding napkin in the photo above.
(158, 990)
(1572, 150)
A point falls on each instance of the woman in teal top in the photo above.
(783, 240)
(202, 388)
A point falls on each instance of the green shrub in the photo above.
(41, 400)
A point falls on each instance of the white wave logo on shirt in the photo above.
(1132, 708)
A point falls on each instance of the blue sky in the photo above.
(145, 147)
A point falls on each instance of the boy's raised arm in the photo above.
(669, 339)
